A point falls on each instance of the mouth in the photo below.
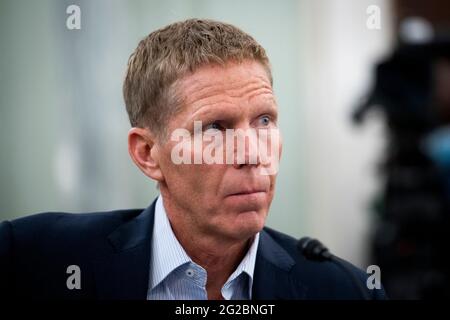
(247, 199)
(247, 192)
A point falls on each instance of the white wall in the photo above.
(337, 59)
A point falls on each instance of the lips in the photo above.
(246, 191)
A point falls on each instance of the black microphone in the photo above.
(313, 249)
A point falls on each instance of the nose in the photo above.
(259, 148)
(246, 148)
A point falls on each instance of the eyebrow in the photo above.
(205, 110)
(209, 111)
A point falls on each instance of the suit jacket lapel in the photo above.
(123, 273)
(272, 279)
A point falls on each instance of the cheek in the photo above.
(194, 179)
(208, 178)
(280, 144)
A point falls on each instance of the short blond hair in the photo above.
(172, 52)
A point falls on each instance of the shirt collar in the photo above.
(247, 266)
(168, 254)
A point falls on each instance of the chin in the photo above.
(248, 224)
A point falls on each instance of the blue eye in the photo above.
(214, 126)
(265, 120)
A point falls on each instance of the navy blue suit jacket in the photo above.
(112, 250)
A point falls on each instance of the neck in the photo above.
(219, 256)
(218, 263)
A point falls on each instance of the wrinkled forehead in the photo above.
(249, 80)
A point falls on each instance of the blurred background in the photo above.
(363, 88)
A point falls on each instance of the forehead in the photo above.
(216, 83)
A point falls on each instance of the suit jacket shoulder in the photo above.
(36, 251)
(304, 278)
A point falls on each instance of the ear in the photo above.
(144, 150)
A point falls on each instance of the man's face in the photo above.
(227, 200)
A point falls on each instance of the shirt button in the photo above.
(190, 273)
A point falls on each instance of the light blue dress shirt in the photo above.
(174, 276)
